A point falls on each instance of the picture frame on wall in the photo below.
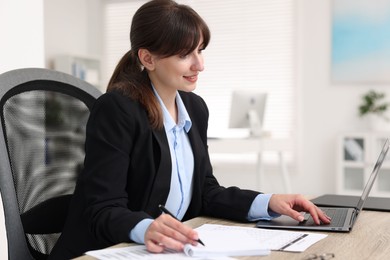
(360, 41)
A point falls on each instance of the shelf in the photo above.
(84, 68)
(357, 154)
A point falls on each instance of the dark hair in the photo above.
(165, 28)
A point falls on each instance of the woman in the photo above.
(146, 145)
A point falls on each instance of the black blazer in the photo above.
(127, 175)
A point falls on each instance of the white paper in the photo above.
(278, 240)
(225, 242)
(222, 241)
(140, 253)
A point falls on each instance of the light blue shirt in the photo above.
(180, 193)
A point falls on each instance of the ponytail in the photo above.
(132, 80)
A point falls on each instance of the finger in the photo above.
(154, 247)
(173, 234)
(177, 230)
(156, 240)
(323, 217)
(319, 216)
(314, 211)
(171, 243)
(314, 215)
(294, 214)
(170, 233)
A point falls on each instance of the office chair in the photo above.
(43, 117)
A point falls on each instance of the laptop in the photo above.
(343, 218)
(337, 200)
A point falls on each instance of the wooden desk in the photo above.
(369, 239)
(258, 146)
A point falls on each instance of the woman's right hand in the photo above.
(167, 232)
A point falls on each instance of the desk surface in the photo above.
(369, 239)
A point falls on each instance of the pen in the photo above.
(165, 210)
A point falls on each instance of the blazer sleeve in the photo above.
(110, 137)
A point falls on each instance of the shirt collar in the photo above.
(184, 120)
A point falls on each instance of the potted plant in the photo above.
(374, 107)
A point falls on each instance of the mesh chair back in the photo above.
(43, 120)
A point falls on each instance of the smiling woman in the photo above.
(252, 47)
(162, 57)
(147, 145)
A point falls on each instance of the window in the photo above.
(252, 46)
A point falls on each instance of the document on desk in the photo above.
(277, 240)
(139, 252)
(222, 242)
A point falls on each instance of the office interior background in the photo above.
(312, 112)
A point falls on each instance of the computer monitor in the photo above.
(247, 110)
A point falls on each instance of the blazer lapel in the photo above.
(162, 180)
(198, 152)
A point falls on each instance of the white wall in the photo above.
(21, 24)
(72, 27)
(78, 34)
(21, 45)
(326, 109)
(34, 31)
(319, 114)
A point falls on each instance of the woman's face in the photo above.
(178, 72)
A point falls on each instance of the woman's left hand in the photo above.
(292, 204)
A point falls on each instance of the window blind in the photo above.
(252, 47)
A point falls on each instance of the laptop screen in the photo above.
(373, 175)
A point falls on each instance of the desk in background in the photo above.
(369, 239)
(257, 146)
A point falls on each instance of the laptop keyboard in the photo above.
(338, 216)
